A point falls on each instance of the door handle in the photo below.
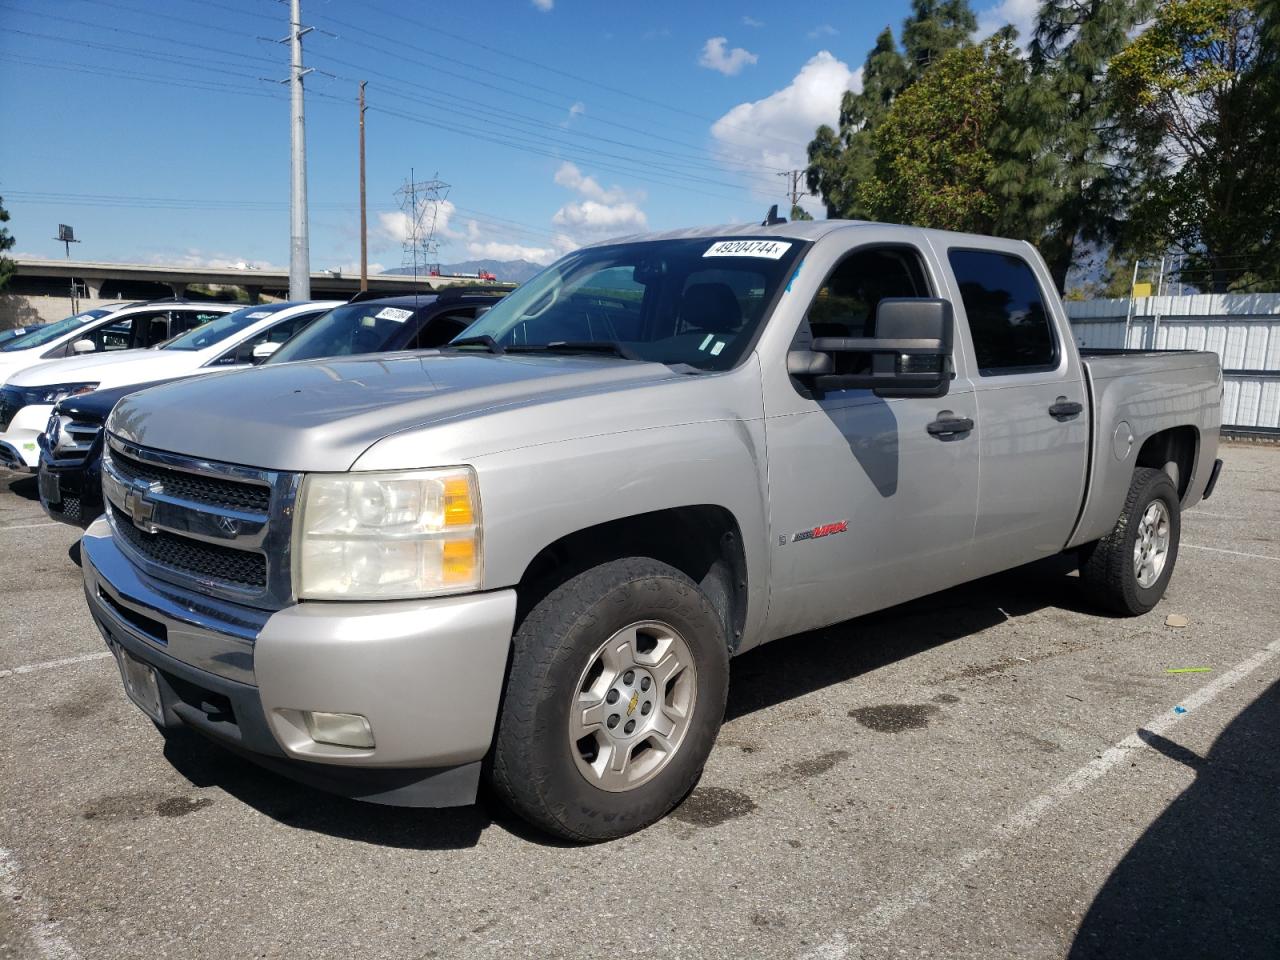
(948, 426)
(1064, 409)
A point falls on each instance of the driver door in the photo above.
(868, 507)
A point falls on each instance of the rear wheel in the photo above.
(1128, 570)
(615, 695)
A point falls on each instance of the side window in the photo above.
(131, 332)
(184, 320)
(846, 304)
(277, 333)
(1006, 312)
(442, 328)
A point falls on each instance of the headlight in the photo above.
(55, 392)
(387, 536)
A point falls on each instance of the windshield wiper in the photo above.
(483, 340)
(578, 346)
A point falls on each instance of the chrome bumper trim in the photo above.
(204, 632)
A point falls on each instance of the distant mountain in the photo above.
(513, 271)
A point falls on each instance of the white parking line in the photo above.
(893, 908)
(51, 664)
(31, 526)
(1234, 553)
(44, 933)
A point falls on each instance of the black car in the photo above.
(70, 477)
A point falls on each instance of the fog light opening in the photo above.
(339, 729)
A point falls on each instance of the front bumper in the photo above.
(19, 444)
(71, 492)
(427, 675)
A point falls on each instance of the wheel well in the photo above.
(703, 542)
(1177, 445)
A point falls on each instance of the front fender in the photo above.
(534, 496)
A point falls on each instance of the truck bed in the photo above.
(1138, 393)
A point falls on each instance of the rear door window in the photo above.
(1006, 310)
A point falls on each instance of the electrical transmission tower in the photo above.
(420, 201)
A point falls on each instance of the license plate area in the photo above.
(49, 490)
(140, 683)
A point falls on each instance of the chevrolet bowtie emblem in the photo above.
(139, 505)
(631, 707)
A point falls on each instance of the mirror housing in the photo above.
(83, 346)
(264, 350)
(909, 352)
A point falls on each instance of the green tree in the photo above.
(7, 241)
(932, 157)
(1201, 85)
(841, 159)
(1068, 166)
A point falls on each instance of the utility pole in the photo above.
(299, 241)
(794, 192)
(364, 225)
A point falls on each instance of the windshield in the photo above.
(47, 334)
(215, 331)
(697, 302)
(354, 328)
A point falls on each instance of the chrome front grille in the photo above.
(221, 529)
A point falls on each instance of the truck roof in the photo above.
(790, 230)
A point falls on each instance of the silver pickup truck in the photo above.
(530, 555)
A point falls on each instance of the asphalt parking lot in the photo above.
(997, 771)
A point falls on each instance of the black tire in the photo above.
(1107, 566)
(533, 769)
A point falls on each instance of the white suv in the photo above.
(106, 329)
(229, 340)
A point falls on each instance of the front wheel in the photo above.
(1128, 570)
(615, 695)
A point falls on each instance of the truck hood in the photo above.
(110, 369)
(322, 415)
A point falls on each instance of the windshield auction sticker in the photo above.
(393, 313)
(764, 249)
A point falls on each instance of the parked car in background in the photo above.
(71, 446)
(106, 329)
(532, 553)
(231, 340)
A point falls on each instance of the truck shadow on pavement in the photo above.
(205, 764)
(1204, 880)
(760, 679)
(795, 666)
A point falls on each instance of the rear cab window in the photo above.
(1005, 306)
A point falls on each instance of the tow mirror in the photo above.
(264, 350)
(83, 346)
(910, 352)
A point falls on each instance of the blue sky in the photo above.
(146, 126)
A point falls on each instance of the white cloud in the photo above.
(601, 210)
(590, 216)
(576, 110)
(496, 250)
(1020, 13)
(715, 57)
(774, 132)
(544, 5)
(752, 22)
(823, 30)
(568, 175)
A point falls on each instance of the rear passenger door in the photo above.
(1032, 447)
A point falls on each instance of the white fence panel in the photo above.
(1242, 329)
